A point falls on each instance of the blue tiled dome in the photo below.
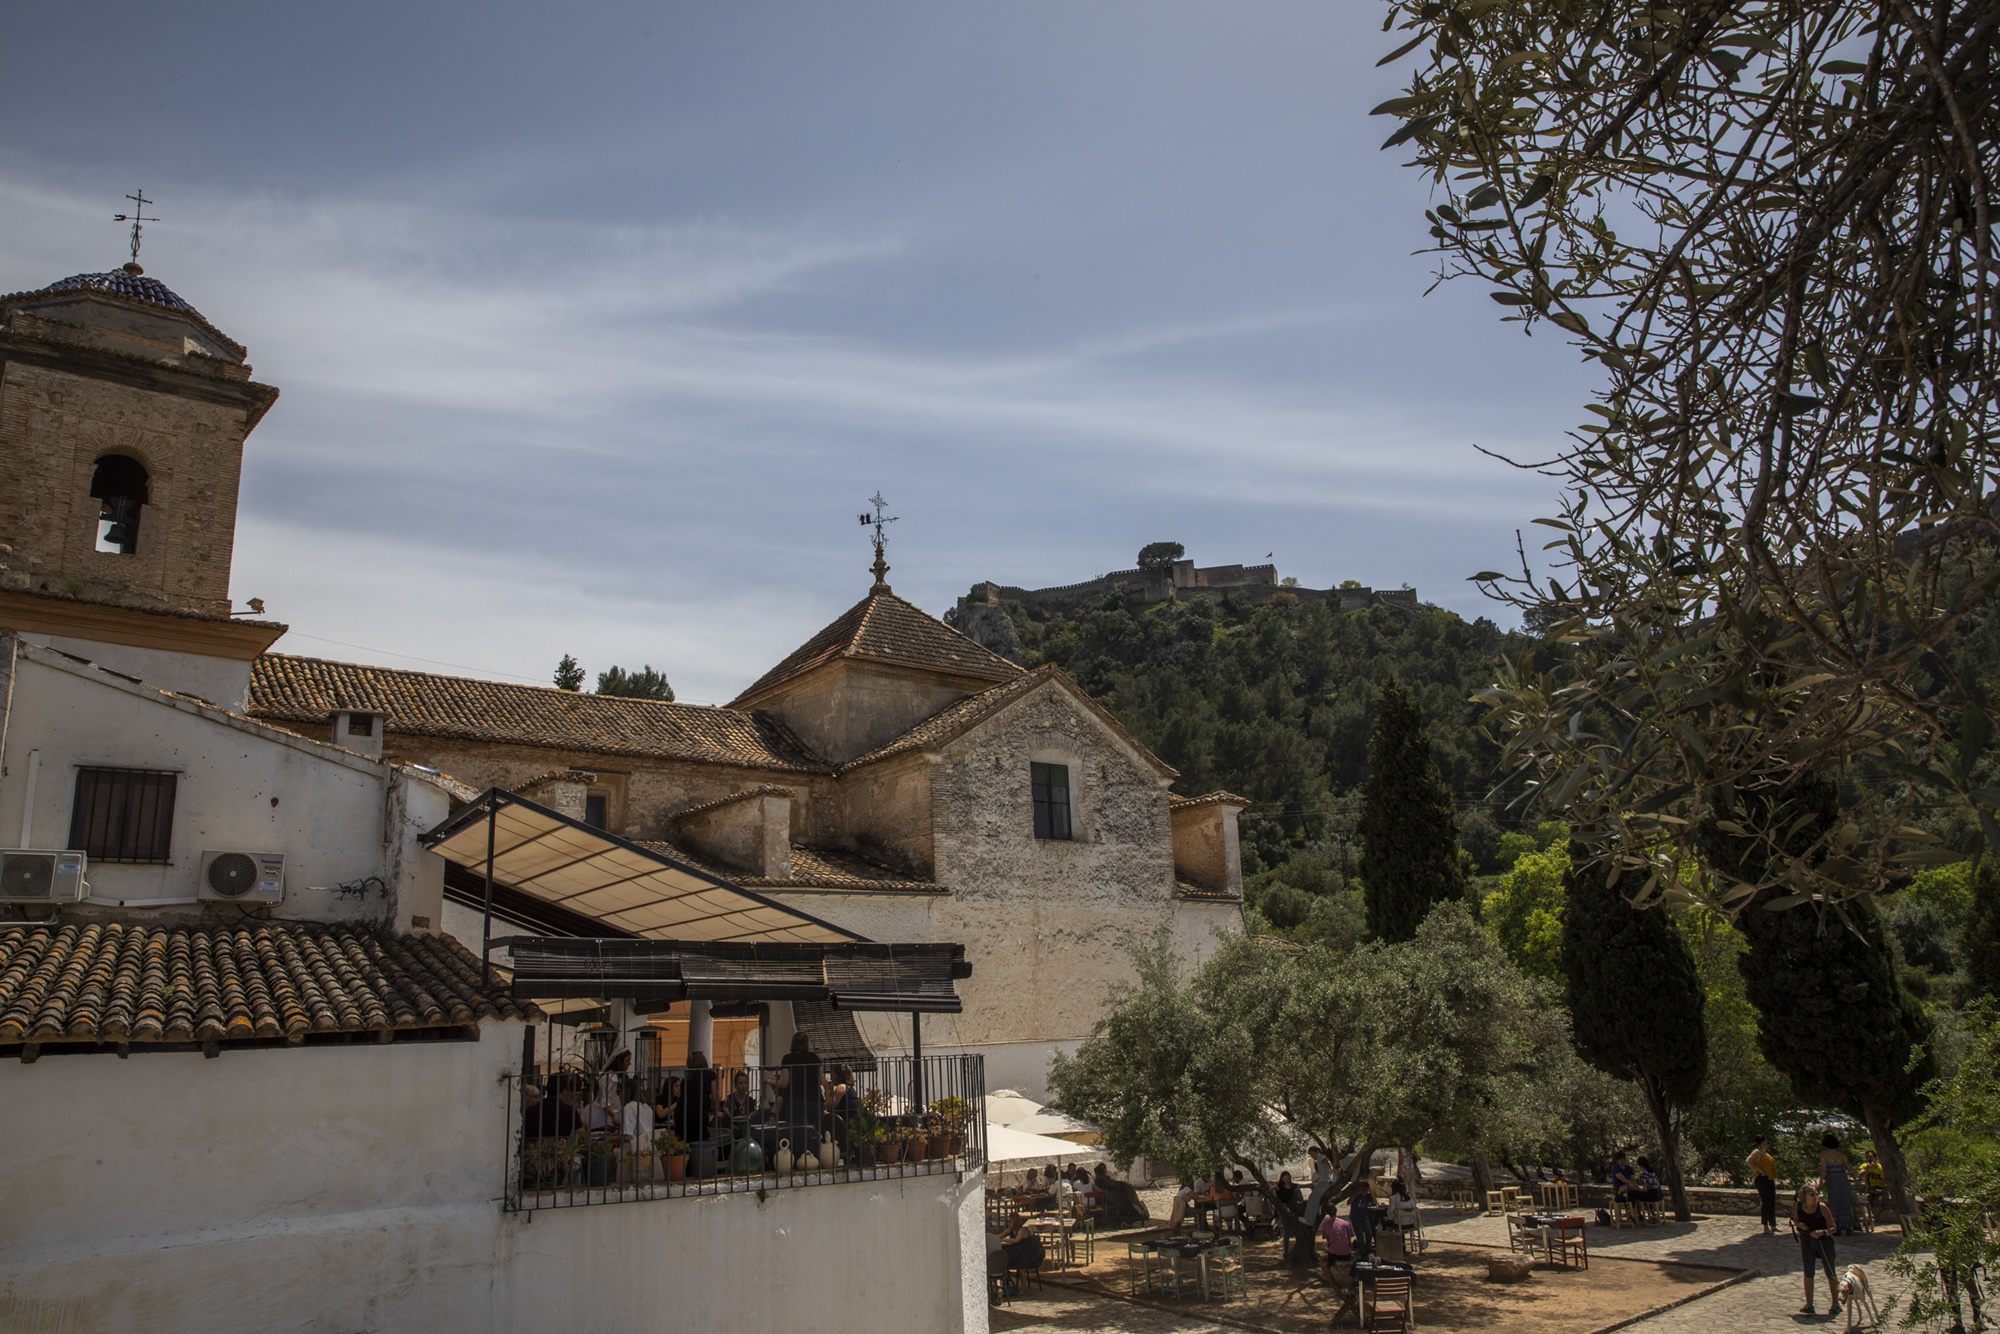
(131, 286)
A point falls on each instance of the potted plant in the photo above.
(599, 1157)
(951, 1115)
(867, 1134)
(916, 1143)
(673, 1150)
(889, 1149)
(542, 1163)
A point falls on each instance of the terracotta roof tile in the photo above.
(125, 982)
(1209, 799)
(128, 287)
(307, 690)
(884, 628)
(812, 868)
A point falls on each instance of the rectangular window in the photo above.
(1051, 783)
(123, 815)
(593, 811)
(361, 724)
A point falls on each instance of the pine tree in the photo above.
(642, 684)
(1637, 1007)
(569, 675)
(1832, 1014)
(1409, 829)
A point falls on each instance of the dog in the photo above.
(1854, 1296)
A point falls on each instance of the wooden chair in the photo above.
(1393, 1306)
(1521, 1236)
(1463, 1198)
(1227, 1271)
(1570, 1246)
(1140, 1260)
(1496, 1202)
(1391, 1244)
(1624, 1213)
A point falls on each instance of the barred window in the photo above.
(1051, 785)
(123, 815)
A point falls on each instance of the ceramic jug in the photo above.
(807, 1162)
(782, 1160)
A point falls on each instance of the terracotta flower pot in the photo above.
(677, 1167)
(892, 1153)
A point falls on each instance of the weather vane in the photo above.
(137, 217)
(881, 540)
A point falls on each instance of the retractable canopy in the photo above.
(551, 857)
(856, 975)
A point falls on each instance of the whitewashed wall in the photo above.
(346, 1189)
(337, 817)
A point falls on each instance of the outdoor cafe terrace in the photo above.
(634, 931)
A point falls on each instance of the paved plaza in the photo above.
(1767, 1300)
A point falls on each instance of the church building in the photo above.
(890, 776)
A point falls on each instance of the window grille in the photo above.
(123, 815)
(1051, 785)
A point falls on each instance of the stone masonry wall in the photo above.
(1047, 923)
(53, 428)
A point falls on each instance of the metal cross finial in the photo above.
(136, 217)
(881, 540)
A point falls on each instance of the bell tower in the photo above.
(123, 414)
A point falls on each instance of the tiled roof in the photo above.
(123, 982)
(581, 777)
(1184, 890)
(812, 868)
(307, 690)
(129, 287)
(1209, 799)
(958, 718)
(884, 628)
(761, 790)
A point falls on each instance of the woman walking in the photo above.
(1764, 1176)
(1835, 1174)
(1812, 1223)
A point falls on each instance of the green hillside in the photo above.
(1275, 702)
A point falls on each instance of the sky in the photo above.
(597, 325)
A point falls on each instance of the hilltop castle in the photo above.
(979, 615)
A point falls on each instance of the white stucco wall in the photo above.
(223, 681)
(337, 817)
(347, 1189)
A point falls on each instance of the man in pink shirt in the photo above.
(1339, 1236)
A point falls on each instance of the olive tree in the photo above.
(1770, 226)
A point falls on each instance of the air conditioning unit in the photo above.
(242, 877)
(42, 877)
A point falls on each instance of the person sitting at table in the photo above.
(996, 1262)
(1402, 1207)
(1338, 1262)
(635, 1118)
(1227, 1208)
(1183, 1203)
(1647, 1184)
(1623, 1180)
(1023, 1248)
(1031, 1185)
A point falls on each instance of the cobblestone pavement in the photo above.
(1767, 1302)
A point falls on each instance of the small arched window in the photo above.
(119, 484)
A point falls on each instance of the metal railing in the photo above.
(579, 1135)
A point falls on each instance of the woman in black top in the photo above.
(696, 1115)
(1813, 1224)
(798, 1083)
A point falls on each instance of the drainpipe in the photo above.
(28, 800)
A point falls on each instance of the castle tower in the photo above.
(123, 414)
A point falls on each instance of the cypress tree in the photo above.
(1408, 827)
(1832, 1014)
(1980, 945)
(1637, 1007)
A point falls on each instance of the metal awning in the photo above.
(854, 975)
(565, 862)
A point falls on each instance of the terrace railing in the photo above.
(578, 1135)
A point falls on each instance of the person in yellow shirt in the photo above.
(1875, 1180)
(1764, 1176)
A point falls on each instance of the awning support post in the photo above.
(486, 926)
(917, 1061)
